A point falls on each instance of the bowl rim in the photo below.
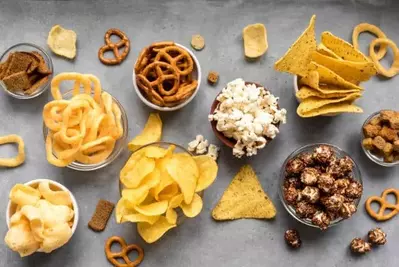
(296, 152)
(374, 158)
(47, 59)
(123, 140)
(181, 105)
(60, 186)
(230, 142)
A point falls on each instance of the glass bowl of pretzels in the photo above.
(166, 76)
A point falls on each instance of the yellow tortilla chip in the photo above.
(244, 198)
(306, 92)
(322, 49)
(255, 40)
(354, 72)
(343, 107)
(343, 49)
(62, 41)
(298, 57)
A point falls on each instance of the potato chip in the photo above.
(171, 216)
(18, 218)
(135, 196)
(22, 195)
(168, 192)
(55, 237)
(131, 162)
(354, 72)
(53, 215)
(366, 27)
(152, 179)
(152, 132)
(138, 217)
(394, 69)
(343, 49)
(255, 40)
(194, 208)
(20, 158)
(297, 59)
(151, 233)
(62, 41)
(155, 152)
(20, 239)
(306, 92)
(123, 207)
(153, 209)
(140, 170)
(322, 49)
(336, 108)
(56, 197)
(184, 171)
(208, 170)
(166, 180)
(175, 201)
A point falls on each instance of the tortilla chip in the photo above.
(306, 92)
(298, 57)
(244, 198)
(313, 103)
(342, 48)
(354, 72)
(344, 107)
(322, 49)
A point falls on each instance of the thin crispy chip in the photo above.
(152, 132)
(322, 49)
(151, 233)
(343, 107)
(208, 170)
(194, 208)
(306, 92)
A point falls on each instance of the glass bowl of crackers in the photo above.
(320, 185)
(99, 155)
(26, 71)
(166, 76)
(380, 138)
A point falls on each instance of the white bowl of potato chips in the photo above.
(162, 184)
(42, 215)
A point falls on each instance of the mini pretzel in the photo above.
(114, 47)
(175, 56)
(384, 204)
(163, 72)
(113, 256)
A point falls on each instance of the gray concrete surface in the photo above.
(200, 241)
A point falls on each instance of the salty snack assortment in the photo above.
(381, 136)
(164, 74)
(248, 114)
(42, 217)
(84, 128)
(320, 186)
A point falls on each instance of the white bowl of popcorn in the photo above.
(246, 117)
(42, 215)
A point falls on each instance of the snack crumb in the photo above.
(213, 77)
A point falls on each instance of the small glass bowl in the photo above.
(179, 149)
(119, 145)
(308, 148)
(374, 157)
(27, 47)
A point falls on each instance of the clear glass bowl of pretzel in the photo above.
(83, 130)
(166, 76)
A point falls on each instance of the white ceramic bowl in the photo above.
(196, 75)
(11, 207)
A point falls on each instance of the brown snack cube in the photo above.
(388, 149)
(388, 134)
(17, 81)
(385, 115)
(379, 143)
(292, 238)
(368, 143)
(371, 130)
(394, 122)
(360, 246)
(389, 158)
(396, 146)
(377, 236)
(213, 77)
(375, 120)
(101, 215)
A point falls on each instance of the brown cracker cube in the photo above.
(396, 146)
(394, 123)
(388, 134)
(17, 81)
(390, 158)
(371, 130)
(388, 149)
(368, 143)
(379, 143)
(213, 77)
(375, 121)
(386, 115)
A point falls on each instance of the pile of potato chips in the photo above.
(42, 220)
(329, 74)
(159, 183)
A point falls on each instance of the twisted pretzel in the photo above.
(384, 204)
(114, 47)
(178, 58)
(113, 256)
(158, 73)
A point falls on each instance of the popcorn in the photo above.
(213, 151)
(248, 114)
(199, 145)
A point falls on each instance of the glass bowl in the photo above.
(374, 157)
(27, 47)
(356, 175)
(179, 149)
(119, 145)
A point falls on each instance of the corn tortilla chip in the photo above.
(322, 49)
(244, 198)
(296, 60)
(306, 92)
(343, 107)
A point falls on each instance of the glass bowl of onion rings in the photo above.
(93, 139)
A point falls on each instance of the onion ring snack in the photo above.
(84, 128)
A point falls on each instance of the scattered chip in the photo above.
(20, 158)
(62, 41)
(255, 40)
(101, 215)
(197, 42)
(213, 77)
(244, 198)
(152, 132)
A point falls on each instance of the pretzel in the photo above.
(163, 72)
(184, 92)
(125, 249)
(145, 85)
(384, 204)
(175, 56)
(114, 47)
(394, 69)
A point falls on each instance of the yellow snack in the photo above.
(153, 209)
(298, 57)
(138, 217)
(20, 158)
(151, 233)
(322, 49)
(306, 92)
(336, 108)
(152, 132)
(135, 196)
(244, 198)
(20, 239)
(208, 170)
(255, 40)
(171, 216)
(55, 237)
(194, 208)
(394, 69)
(56, 197)
(140, 170)
(22, 195)
(53, 214)
(62, 41)
(366, 27)
(197, 42)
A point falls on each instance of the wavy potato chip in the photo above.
(151, 233)
(133, 177)
(62, 41)
(123, 207)
(135, 196)
(169, 192)
(56, 197)
(153, 209)
(22, 195)
(55, 237)
(171, 216)
(194, 208)
(175, 201)
(152, 179)
(336, 108)
(152, 132)
(138, 217)
(208, 170)
(155, 152)
(20, 239)
(53, 215)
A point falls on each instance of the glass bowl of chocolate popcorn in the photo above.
(320, 185)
